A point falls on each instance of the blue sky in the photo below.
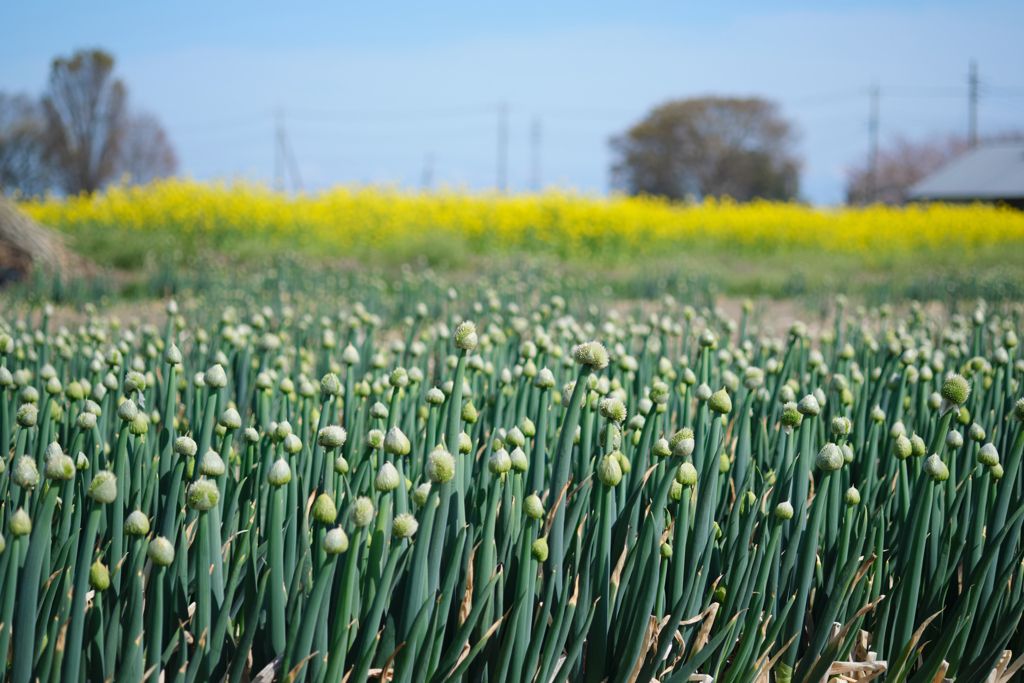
(370, 90)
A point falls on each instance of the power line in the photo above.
(394, 114)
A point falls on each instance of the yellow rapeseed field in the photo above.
(348, 219)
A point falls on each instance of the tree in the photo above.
(145, 151)
(22, 162)
(904, 162)
(709, 147)
(86, 114)
(90, 134)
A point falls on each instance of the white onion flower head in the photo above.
(593, 354)
(465, 337)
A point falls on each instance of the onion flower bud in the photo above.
(784, 510)
(420, 494)
(533, 507)
(85, 421)
(935, 468)
(291, 444)
(404, 526)
(988, 455)
(59, 467)
(374, 439)
(440, 467)
(976, 432)
(202, 495)
(515, 438)
(791, 416)
(520, 463)
(350, 356)
(330, 385)
(331, 437)
(230, 419)
(215, 377)
(686, 474)
(20, 524)
(396, 443)
(183, 445)
(99, 576)
(902, 448)
(539, 549)
(335, 541)
(612, 409)
(840, 425)
(280, 473)
(160, 551)
(387, 478)
(324, 510)
(362, 512)
(103, 488)
(25, 474)
(211, 464)
(809, 406)
(720, 402)
(500, 462)
(172, 356)
(659, 393)
(136, 523)
(829, 458)
(128, 411)
(465, 337)
(608, 470)
(682, 443)
(956, 389)
(592, 353)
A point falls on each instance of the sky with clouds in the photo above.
(379, 92)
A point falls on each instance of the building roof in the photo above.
(985, 173)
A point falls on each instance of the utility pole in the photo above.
(428, 172)
(535, 137)
(502, 147)
(279, 151)
(972, 114)
(873, 145)
(284, 156)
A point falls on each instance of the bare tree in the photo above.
(145, 151)
(86, 112)
(709, 147)
(904, 162)
(22, 163)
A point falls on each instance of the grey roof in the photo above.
(995, 172)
